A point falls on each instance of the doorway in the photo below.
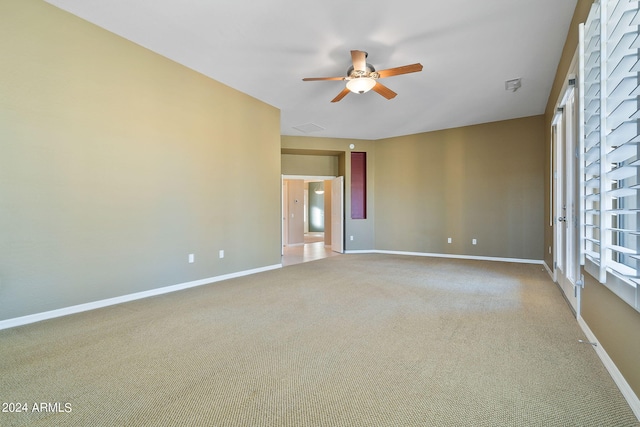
(565, 147)
(312, 218)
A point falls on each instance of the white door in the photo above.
(337, 214)
(565, 140)
(284, 194)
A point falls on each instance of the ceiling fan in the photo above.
(362, 77)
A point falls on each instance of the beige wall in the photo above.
(309, 165)
(116, 164)
(483, 182)
(615, 324)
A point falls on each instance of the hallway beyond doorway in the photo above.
(313, 237)
(313, 249)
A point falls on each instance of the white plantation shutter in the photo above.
(591, 131)
(611, 94)
(621, 136)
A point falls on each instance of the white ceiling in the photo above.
(264, 48)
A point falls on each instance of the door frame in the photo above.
(565, 149)
(337, 214)
(283, 195)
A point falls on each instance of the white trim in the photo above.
(32, 318)
(546, 267)
(625, 389)
(455, 256)
(309, 177)
(616, 375)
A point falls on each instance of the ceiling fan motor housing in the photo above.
(354, 74)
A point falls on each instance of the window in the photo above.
(609, 147)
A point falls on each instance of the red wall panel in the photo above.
(358, 185)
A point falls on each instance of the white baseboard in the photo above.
(32, 318)
(546, 267)
(623, 385)
(455, 256)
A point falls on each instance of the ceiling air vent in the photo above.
(308, 128)
(513, 84)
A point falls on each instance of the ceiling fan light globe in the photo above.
(361, 84)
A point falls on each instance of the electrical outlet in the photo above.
(350, 237)
(474, 242)
(191, 258)
(221, 253)
(449, 240)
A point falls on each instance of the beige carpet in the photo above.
(354, 340)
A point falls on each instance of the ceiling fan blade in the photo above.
(315, 79)
(341, 95)
(359, 59)
(384, 91)
(406, 69)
